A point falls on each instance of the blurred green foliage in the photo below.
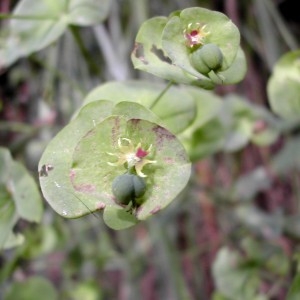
(233, 232)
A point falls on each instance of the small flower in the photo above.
(195, 35)
(133, 156)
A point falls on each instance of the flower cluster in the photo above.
(195, 34)
(134, 157)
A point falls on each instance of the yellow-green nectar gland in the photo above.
(195, 35)
(135, 157)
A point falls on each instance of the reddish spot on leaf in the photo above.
(100, 205)
(84, 187)
(168, 160)
(155, 210)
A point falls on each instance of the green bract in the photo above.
(80, 164)
(163, 47)
(284, 87)
(226, 125)
(32, 288)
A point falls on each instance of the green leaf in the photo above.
(205, 140)
(219, 125)
(265, 256)
(44, 24)
(227, 125)
(56, 161)
(36, 24)
(31, 288)
(208, 105)
(233, 280)
(292, 226)
(259, 221)
(149, 56)
(205, 135)
(117, 218)
(287, 158)
(248, 185)
(19, 198)
(130, 110)
(294, 291)
(238, 118)
(176, 108)
(13, 240)
(41, 240)
(218, 296)
(25, 193)
(87, 290)
(88, 12)
(8, 217)
(165, 179)
(284, 86)
(246, 122)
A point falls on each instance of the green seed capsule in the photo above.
(128, 187)
(208, 57)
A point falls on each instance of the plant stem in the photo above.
(27, 17)
(61, 75)
(92, 66)
(289, 39)
(156, 100)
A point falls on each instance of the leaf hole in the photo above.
(160, 54)
(138, 52)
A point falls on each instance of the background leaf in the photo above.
(287, 159)
(87, 12)
(176, 108)
(39, 23)
(294, 291)
(205, 135)
(19, 198)
(284, 86)
(233, 280)
(31, 288)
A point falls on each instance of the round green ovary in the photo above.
(128, 187)
(207, 58)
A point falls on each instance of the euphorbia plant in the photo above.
(120, 152)
(127, 152)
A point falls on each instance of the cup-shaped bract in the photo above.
(166, 47)
(79, 166)
(196, 27)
